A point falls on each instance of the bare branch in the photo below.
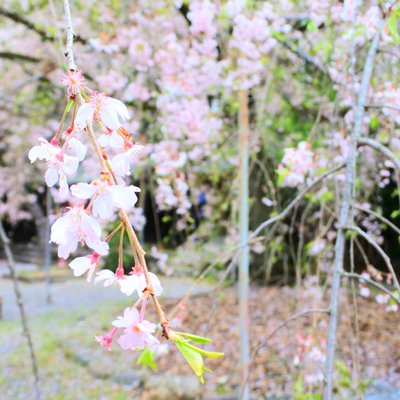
(375, 214)
(31, 26)
(8, 55)
(383, 106)
(293, 203)
(304, 56)
(370, 281)
(286, 322)
(382, 148)
(379, 249)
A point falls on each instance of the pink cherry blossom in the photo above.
(297, 163)
(106, 340)
(137, 332)
(74, 81)
(77, 226)
(59, 164)
(82, 265)
(111, 112)
(109, 278)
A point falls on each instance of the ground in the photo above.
(73, 366)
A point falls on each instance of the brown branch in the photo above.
(304, 56)
(45, 36)
(8, 55)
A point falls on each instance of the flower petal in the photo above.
(84, 116)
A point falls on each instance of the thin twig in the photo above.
(382, 148)
(374, 283)
(375, 214)
(379, 249)
(293, 203)
(69, 54)
(286, 322)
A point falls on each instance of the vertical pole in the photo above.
(244, 237)
(346, 212)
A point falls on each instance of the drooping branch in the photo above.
(380, 217)
(374, 144)
(294, 202)
(286, 322)
(374, 283)
(379, 249)
(304, 56)
(24, 320)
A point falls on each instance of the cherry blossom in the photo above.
(297, 163)
(74, 227)
(75, 82)
(107, 198)
(113, 140)
(106, 340)
(137, 282)
(137, 332)
(111, 112)
(87, 264)
(121, 163)
(59, 164)
(109, 278)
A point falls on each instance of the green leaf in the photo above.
(392, 25)
(146, 359)
(210, 354)
(395, 214)
(193, 358)
(326, 196)
(194, 338)
(193, 355)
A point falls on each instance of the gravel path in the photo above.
(76, 293)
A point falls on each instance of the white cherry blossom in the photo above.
(121, 163)
(59, 164)
(111, 112)
(74, 227)
(87, 264)
(107, 197)
(137, 282)
(113, 140)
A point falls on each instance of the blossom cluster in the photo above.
(107, 197)
(297, 165)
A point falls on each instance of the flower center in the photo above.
(136, 329)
